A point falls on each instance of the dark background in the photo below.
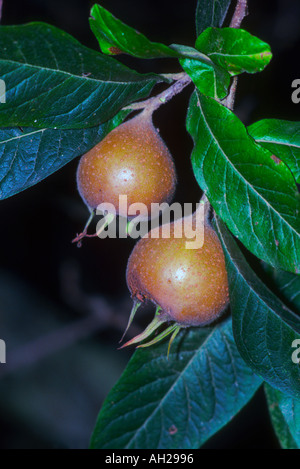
(60, 365)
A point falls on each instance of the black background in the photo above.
(37, 226)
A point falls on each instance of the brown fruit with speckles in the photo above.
(189, 285)
(131, 160)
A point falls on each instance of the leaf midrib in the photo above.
(18, 137)
(220, 54)
(74, 76)
(276, 142)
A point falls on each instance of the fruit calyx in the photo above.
(158, 320)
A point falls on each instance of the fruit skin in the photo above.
(131, 160)
(189, 285)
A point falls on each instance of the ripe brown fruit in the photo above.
(131, 160)
(188, 286)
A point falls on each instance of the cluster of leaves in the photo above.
(61, 99)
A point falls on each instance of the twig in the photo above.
(229, 101)
(45, 346)
(182, 80)
(60, 339)
(241, 10)
(98, 316)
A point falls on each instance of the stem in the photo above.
(53, 342)
(108, 219)
(1, 5)
(182, 80)
(82, 235)
(241, 10)
(173, 76)
(229, 102)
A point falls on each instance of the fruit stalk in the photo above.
(182, 80)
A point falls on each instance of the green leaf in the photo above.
(285, 416)
(115, 37)
(29, 155)
(177, 402)
(287, 284)
(54, 81)
(210, 79)
(254, 196)
(235, 50)
(264, 328)
(282, 138)
(210, 13)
